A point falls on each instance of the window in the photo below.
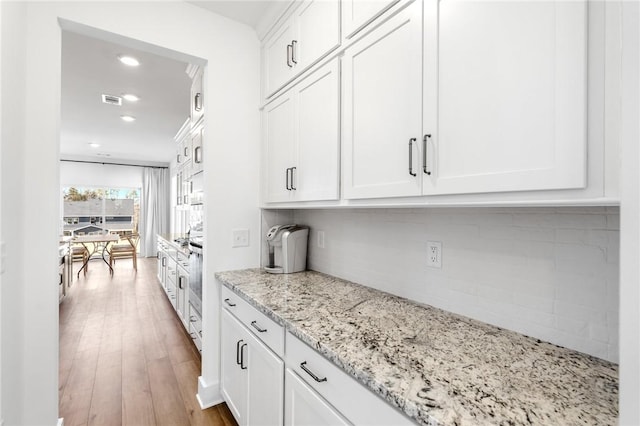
(89, 210)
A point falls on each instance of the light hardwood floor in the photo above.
(125, 358)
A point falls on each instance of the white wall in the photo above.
(551, 273)
(630, 220)
(12, 86)
(232, 134)
(102, 175)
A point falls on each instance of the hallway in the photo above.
(124, 356)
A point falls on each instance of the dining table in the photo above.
(99, 242)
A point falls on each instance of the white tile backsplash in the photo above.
(551, 273)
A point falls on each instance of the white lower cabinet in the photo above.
(312, 391)
(252, 376)
(353, 401)
(303, 405)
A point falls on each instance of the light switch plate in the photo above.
(240, 238)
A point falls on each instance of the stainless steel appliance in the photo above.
(195, 273)
(287, 249)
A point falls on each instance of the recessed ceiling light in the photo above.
(94, 145)
(128, 118)
(129, 60)
(103, 154)
(131, 98)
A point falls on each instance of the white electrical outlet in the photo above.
(321, 239)
(240, 238)
(434, 254)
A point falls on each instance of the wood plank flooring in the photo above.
(125, 358)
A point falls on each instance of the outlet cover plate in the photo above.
(434, 254)
(240, 238)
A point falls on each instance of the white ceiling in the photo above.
(90, 68)
(246, 11)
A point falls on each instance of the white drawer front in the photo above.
(267, 330)
(352, 399)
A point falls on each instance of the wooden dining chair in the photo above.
(125, 250)
(79, 252)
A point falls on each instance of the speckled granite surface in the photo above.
(438, 367)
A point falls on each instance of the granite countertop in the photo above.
(437, 367)
(171, 240)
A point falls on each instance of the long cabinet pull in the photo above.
(424, 154)
(411, 141)
(288, 186)
(244, 367)
(197, 102)
(292, 174)
(238, 359)
(228, 302)
(289, 55)
(255, 325)
(293, 51)
(316, 378)
(197, 154)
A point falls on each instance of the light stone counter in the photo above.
(437, 367)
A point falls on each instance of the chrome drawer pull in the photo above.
(316, 378)
(229, 303)
(255, 325)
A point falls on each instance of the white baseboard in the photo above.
(61, 421)
(208, 394)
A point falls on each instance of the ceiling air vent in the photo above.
(112, 100)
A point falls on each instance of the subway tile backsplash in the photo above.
(550, 273)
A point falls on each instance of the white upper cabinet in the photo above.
(277, 50)
(301, 137)
(356, 14)
(505, 100)
(278, 126)
(382, 115)
(311, 32)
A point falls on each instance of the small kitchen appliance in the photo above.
(287, 249)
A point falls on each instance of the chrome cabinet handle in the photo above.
(293, 187)
(192, 318)
(289, 187)
(197, 102)
(186, 152)
(158, 255)
(164, 261)
(424, 154)
(293, 51)
(289, 55)
(228, 302)
(180, 285)
(178, 158)
(411, 141)
(242, 366)
(255, 325)
(316, 378)
(197, 154)
(238, 351)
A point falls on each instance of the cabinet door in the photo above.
(234, 380)
(183, 291)
(358, 13)
(317, 172)
(382, 80)
(196, 150)
(266, 385)
(277, 67)
(304, 407)
(317, 31)
(278, 126)
(197, 97)
(505, 96)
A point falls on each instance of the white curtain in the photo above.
(154, 208)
